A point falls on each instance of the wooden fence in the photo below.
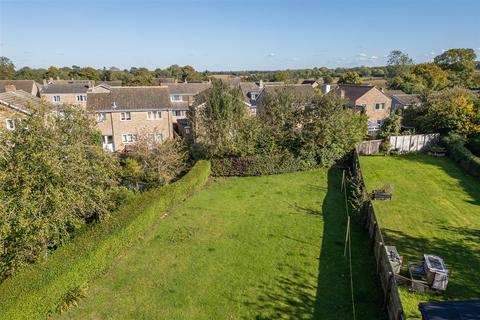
(403, 144)
(392, 301)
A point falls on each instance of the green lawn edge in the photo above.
(36, 291)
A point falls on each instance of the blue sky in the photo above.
(232, 34)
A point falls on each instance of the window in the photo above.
(156, 137)
(176, 97)
(81, 98)
(379, 106)
(154, 115)
(253, 96)
(125, 116)
(178, 113)
(101, 116)
(129, 138)
(10, 124)
(56, 98)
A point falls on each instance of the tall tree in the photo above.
(398, 63)
(7, 69)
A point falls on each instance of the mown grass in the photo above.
(435, 209)
(266, 247)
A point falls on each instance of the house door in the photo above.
(108, 143)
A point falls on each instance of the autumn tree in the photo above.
(350, 77)
(460, 62)
(398, 63)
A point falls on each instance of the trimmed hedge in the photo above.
(37, 290)
(461, 155)
(474, 145)
(259, 165)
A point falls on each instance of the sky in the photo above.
(232, 34)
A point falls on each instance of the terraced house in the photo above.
(69, 92)
(123, 113)
(15, 105)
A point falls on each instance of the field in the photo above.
(244, 248)
(435, 209)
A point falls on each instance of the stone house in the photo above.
(15, 105)
(123, 113)
(28, 86)
(73, 93)
(369, 99)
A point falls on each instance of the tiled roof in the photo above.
(20, 100)
(65, 88)
(25, 85)
(299, 90)
(191, 88)
(130, 98)
(407, 99)
(353, 91)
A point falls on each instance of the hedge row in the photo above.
(36, 291)
(259, 165)
(460, 154)
(474, 145)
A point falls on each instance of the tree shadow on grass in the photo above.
(326, 295)
(469, 183)
(462, 260)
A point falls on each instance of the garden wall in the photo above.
(392, 301)
(38, 290)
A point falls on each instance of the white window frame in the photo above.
(158, 137)
(154, 115)
(81, 98)
(125, 116)
(182, 113)
(174, 97)
(129, 138)
(101, 116)
(381, 104)
(56, 98)
(10, 124)
(253, 96)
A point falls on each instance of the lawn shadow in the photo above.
(469, 183)
(462, 260)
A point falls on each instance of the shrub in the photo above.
(474, 146)
(258, 165)
(36, 291)
(460, 154)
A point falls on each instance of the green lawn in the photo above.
(435, 209)
(244, 248)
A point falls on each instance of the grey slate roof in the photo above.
(407, 99)
(192, 88)
(20, 100)
(25, 85)
(299, 90)
(65, 88)
(130, 98)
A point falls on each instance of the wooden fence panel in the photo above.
(392, 301)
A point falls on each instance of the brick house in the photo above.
(15, 105)
(369, 99)
(402, 100)
(122, 113)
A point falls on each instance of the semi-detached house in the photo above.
(122, 113)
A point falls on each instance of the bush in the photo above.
(474, 146)
(36, 291)
(258, 165)
(460, 154)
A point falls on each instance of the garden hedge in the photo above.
(36, 291)
(461, 155)
(474, 145)
(259, 165)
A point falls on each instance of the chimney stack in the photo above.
(10, 88)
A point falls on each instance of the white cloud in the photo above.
(271, 55)
(374, 57)
(432, 53)
(362, 54)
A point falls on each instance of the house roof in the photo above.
(299, 90)
(65, 88)
(130, 98)
(187, 88)
(407, 99)
(25, 85)
(19, 100)
(352, 92)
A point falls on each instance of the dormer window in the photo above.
(176, 98)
